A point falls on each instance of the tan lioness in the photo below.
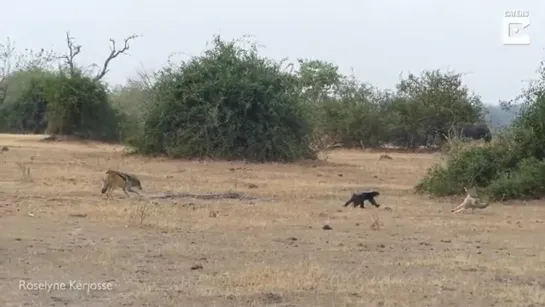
(471, 201)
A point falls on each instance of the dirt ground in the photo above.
(264, 246)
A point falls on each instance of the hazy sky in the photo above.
(378, 39)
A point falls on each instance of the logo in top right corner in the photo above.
(516, 24)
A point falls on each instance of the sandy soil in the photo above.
(265, 248)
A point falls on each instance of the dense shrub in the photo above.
(229, 103)
(527, 180)
(78, 105)
(354, 119)
(510, 167)
(25, 109)
(58, 103)
(356, 114)
(430, 104)
(468, 166)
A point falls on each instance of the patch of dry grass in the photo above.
(268, 248)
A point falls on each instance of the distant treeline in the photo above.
(231, 103)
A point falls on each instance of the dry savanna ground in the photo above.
(265, 246)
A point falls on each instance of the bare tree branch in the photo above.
(73, 50)
(113, 54)
(6, 54)
(12, 61)
(145, 77)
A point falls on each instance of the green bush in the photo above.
(421, 110)
(467, 166)
(58, 103)
(27, 113)
(25, 107)
(229, 103)
(526, 181)
(78, 105)
(511, 167)
(354, 123)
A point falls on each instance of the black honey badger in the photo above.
(360, 198)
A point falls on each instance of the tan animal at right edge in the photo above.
(470, 202)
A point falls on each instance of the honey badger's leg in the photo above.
(362, 202)
(357, 200)
(373, 202)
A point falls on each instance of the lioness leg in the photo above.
(457, 209)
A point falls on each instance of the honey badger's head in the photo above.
(374, 193)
